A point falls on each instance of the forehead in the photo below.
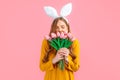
(60, 22)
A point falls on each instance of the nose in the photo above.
(60, 30)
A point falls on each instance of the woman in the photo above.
(50, 57)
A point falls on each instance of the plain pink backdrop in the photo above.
(23, 24)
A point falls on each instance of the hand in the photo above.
(64, 51)
(61, 54)
(66, 60)
(58, 57)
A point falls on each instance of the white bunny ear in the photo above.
(50, 11)
(66, 10)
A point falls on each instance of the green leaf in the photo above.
(65, 42)
(56, 42)
(58, 39)
(53, 44)
(62, 43)
(68, 44)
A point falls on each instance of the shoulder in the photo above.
(45, 42)
(76, 42)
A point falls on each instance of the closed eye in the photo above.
(62, 26)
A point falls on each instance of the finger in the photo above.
(61, 58)
(60, 55)
(64, 50)
(63, 53)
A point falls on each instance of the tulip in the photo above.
(65, 33)
(70, 36)
(47, 37)
(58, 34)
(53, 35)
(65, 36)
(62, 35)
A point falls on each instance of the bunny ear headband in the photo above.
(65, 11)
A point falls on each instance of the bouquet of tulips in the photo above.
(60, 40)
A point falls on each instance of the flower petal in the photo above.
(62, 35)
(58, 34)
(47, 37)
(69, 35)
(53, 35)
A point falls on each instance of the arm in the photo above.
(44, 66)
(74, 64)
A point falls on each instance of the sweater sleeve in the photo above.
(45, 66)
(73, 65)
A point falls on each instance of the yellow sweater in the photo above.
(54, 72)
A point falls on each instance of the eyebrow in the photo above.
(61, 25)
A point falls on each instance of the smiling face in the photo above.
(61, 27)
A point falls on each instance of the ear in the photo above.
(66, 10)
(50, 11)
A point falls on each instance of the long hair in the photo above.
(53, 29)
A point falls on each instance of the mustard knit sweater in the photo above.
(54, 72)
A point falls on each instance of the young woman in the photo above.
(50, 57)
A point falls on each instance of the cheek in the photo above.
(66, 31)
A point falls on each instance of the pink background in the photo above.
(23, 24)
